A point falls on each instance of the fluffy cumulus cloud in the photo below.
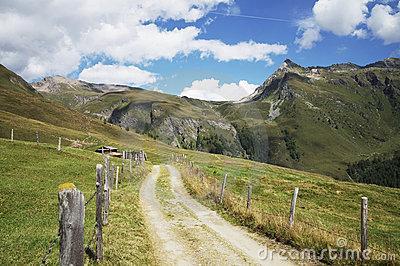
(52, 39)
(385, 23)
(350, 18)
(212, 90)
(340, 16)
(115, 74)
(310, 33)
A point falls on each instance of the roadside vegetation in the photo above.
(327, 210)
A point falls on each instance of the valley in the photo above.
(318, 119)
(130, 119)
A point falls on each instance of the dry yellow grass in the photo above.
(303, 235)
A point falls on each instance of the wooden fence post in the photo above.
(59, 144)
(130, 168)
(122, 167)
(248, 205)
(106, 192)
(111, 184)
(221, 196)
(99, 212)
(71, 219)
(293, 207)
(112, 175)
(116, 179)
(12, 134)
(364, 227)
(37, 137)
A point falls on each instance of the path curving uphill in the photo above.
(187, 233)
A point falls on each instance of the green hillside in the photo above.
(318, 119)
(33, 172)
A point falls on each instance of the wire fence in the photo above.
(215, 186)
(110, 174)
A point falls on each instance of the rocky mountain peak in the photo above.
(289, 66)
(386, 63)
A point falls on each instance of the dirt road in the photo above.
(187, 233)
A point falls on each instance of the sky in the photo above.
(205, 49)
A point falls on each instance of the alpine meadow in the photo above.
(180, 132)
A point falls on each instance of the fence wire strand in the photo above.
(52, 243)
(356, 242)
(91, 198)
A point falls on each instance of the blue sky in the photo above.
(218, 49)
(231, 29)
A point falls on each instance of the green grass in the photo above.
(126, 238)
(163, 187)
(31, 175)
(326, 208)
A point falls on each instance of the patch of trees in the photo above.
(254, 141)
(212, 143)
(291, 145)
(380, 171)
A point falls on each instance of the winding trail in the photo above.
(187, 233)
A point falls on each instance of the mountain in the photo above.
(328, 116)
(181, 122)
(312, 118)
(27, 111)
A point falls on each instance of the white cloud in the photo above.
(309, 33)
(249, 51)
(148, 42)
(340, 16)
(53, 38)
(212, 90)
(117, 74)
(385, 23)
(360, 33)
(350, 18)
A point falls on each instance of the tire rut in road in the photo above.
(187, 233)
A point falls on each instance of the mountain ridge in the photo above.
(310, 118)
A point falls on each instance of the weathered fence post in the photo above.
(364, 227)
(221, 196)
(106, 192)
(99, 212)
(111, 184)
(59, 144)
(122, 169)
(116, 179)
(130, 168)
(248, 205)
(37, 137)
(112, 173)
(293, 207)
(71, 218)
(12, 134)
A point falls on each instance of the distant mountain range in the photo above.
(310, 118)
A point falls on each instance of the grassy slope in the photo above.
(70, 96)
(323, 201)
(29, 204)
(361, 130)
(326, 208)
(32, 173)
(332, 124)
(346, 123)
